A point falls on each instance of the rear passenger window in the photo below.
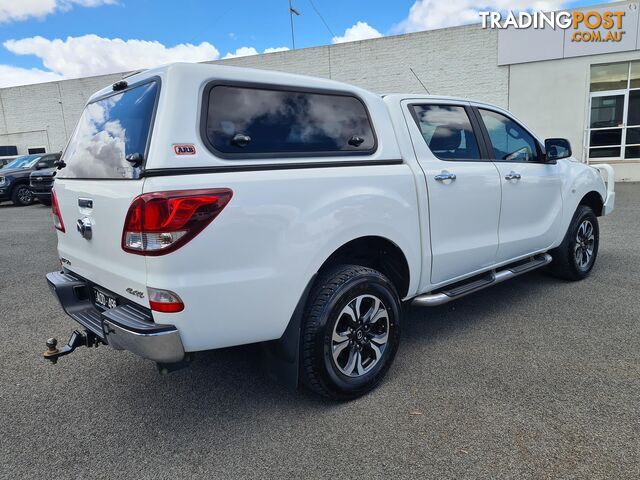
(243, 121)
(447, 131)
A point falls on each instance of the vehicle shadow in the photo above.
(234, 378)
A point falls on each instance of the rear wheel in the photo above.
(576, 255)
(351, 332)
(22, 195)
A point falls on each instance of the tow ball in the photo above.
(77, 339)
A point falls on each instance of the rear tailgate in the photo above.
(98, 257)
(97, 182)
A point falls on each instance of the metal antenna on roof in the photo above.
(292, 12)
(418, 78)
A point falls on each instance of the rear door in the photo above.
(97, 184)
(531, 211)
(463, 188)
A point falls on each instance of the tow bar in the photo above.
(77, 339)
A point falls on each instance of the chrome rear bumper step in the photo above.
(447, 294)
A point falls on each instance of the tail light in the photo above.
(55, 211)
(164, 301)
(161, 222)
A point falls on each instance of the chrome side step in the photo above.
(447, 294)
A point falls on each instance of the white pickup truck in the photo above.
(203, 206)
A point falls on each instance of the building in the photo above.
(588, 92)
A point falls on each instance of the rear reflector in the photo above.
(55, 211)
(160, 222)
(164, 301)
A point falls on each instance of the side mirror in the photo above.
(41, 165)
(557, 148)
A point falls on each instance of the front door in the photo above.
(531, 211)
(463, 189)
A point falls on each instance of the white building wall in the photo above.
(552, 98)
(460, 61)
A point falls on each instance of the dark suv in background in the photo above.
(41, 183)
(14, 176)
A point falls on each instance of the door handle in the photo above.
(512, 176)
(441, 177)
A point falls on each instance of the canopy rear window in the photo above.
(109, 130)
(246, 121)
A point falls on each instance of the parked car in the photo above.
(14, 177)
(41, 183)
(202, 206)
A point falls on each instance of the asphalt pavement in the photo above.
(533, 378)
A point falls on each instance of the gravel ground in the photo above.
(534, 378)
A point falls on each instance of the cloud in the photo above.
(93, 55)
(241, 52)
(275, 49)
(16, 10)
(247, 51)
(12, 76)
(359, 31)
(431, 14)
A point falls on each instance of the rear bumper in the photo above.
(125, 327)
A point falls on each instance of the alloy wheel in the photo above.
(360, 335)
(24, 195)
(584, 246)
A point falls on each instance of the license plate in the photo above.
(103, 300)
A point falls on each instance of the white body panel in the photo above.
(241, 278)
(531, 212)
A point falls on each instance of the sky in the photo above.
(45, 40)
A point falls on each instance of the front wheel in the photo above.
(351, 332)
(22, 196)
(576, 255)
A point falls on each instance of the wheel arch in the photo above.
(19, 182)
(594, 201)
(378, 253)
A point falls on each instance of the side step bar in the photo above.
(447, 294)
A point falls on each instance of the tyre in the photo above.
(350, 332)
(22, 195)
(576, 255)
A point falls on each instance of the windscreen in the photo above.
(109, 131)
(27, 161)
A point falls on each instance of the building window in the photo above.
(8, 150)
(614, 122)
(34, 150)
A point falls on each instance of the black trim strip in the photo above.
(163, 172)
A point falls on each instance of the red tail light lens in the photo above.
(55, 211)
(164, 301)
(160, 222)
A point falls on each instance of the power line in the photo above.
(322, 18)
